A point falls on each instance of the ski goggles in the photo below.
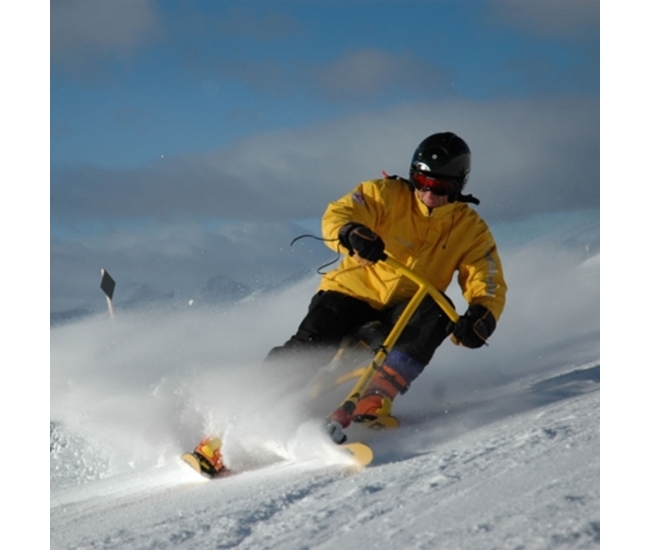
(435, 185)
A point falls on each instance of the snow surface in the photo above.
(499, 447)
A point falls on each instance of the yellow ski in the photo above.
(360, 452)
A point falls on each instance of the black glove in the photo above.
(362, 240)
(474, 328)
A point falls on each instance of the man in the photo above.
(425, 223)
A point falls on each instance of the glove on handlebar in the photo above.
(362, 240)
(474, 327)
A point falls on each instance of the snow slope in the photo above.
(525, 477)
(500, 447)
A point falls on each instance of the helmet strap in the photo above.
(468, 198)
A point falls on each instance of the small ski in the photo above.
(360, 453)
(199, 464)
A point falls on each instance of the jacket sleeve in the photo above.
(480, 274)
(363, 205)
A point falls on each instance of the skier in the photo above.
(425, 223)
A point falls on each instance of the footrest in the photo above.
(377, 422)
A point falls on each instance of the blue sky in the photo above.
(186, 130)
(192, 76)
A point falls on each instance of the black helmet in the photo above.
(443, 156)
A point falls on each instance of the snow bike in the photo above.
(372, 338)
(342, 415)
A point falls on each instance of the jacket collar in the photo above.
(436, 213)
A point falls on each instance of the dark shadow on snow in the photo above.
(566, 385)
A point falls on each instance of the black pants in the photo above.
(333, 315)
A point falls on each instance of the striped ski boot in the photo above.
(374, 408)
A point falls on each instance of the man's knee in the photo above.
(429, 308)
(331, 316)
(424, 333)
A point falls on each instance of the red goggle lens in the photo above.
(435, 185)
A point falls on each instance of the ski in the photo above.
(360, 453)
(200, 465)
(206, 459)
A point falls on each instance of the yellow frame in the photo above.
(365, 374)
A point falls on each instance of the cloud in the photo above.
(83, 32)
(262, 27)
(177, 260)
(249, 26)
(355, 75)
(528, 157)
(562, 18)
(542, 76)
(370, 73)
(269, 77)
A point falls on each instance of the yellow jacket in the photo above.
(452, 238)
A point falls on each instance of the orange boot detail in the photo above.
(370, 406)
(210, 449)
(378, 398)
